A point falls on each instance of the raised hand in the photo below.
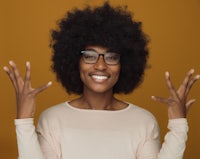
(25, 94)
(177, 103)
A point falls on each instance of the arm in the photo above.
(28, 145)
(173, 146)
(36, 144)
(175, 140)
(27, 140)
(178, 107)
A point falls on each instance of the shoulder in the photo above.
(54, 112)
(141, 117)
(55, 108)
(144, 120)
(53, 117)
(140, 112)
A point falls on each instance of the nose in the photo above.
(100, 64)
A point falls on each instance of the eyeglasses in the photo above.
(91, 57)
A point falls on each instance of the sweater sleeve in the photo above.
(34, 144)
(173, 146)
(27, 140)
(41, 145)
(175, 140)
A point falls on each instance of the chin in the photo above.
(100, 90)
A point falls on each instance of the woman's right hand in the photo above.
(25, 94)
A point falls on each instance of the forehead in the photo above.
(97, 48)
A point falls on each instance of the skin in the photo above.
(25, 93)
(177, 103)
(98, 94)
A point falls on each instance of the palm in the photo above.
(25, 94)
(177, 103)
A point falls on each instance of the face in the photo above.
(98, 77)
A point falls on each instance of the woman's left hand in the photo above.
(177, 103)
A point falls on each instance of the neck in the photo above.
(98, 101)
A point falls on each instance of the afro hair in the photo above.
(107, 26)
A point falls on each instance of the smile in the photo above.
(98, 77)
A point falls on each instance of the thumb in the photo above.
(42, 88)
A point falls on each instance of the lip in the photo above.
(99, 77)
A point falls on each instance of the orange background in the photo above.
(174, 29)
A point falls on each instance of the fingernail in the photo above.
(192, 71)
(5, 68)
(27, 63)
(167, 73)
(198, 76)
(11, 62)
(153, 97)
(49, 83)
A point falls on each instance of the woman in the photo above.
(98, 52)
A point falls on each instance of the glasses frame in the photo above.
(99, 54)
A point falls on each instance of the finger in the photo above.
(189, 103)
(184, 85)
(171, 87)
(42, 88)
(19, 80)
(160, 99)
(27, 79)
(191, 83)
(11, 77)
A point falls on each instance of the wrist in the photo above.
(176, 113)
(24, 115)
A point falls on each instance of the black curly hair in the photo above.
(107, 26)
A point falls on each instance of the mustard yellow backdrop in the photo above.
(174, 29)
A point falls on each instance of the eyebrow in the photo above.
(90, 49)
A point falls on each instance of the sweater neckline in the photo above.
(100, 111)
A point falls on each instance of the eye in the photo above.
(90, 55)
(112, 57)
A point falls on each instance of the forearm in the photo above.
(27, 140)
(175, 140)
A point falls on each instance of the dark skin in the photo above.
(25, 93)
(99, 79)
(177, 103)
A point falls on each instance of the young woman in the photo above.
(98, 52)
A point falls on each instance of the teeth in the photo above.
(99, 77)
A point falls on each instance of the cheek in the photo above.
(82, 69)
(116, 72)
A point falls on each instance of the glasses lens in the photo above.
(90, 56)
(112, 58)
